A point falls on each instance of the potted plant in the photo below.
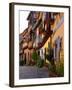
(37, 59)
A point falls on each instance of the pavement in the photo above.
(28, 72)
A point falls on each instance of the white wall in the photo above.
(4, 44)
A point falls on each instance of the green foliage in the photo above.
(51, 67)
(37, 59)
(21, 63)
(40, 62)
(35, 56)
(60, 68)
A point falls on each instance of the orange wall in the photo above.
(60, 33)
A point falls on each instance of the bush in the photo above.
(35, 56)
(40, 62)
(21, 62)
(56, 70)
(51, 67)
(37, 59)
(60, 68)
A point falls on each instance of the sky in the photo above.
(23, 20)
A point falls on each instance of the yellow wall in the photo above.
(46, 44)
(60, 33)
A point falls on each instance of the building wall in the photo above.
(27, 54)
(58, 31)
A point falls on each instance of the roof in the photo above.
(29, 15)
(22, 34)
